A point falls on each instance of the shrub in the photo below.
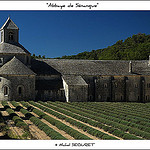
(26, 113)
(16, 119)
(130, 137)
(118, 133)
(49, 131)
(108, 137)
(5, 104)
(11, 112)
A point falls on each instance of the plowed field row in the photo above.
(57, 120)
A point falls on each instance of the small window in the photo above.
(19, 90)
(105, 85)
(147, 97)
(148, 85)
(90, 97)
(121, 98)
(99, 97)
(108, 99)
(6, 91)
(136, 85)
(95, 80)
(11, 36)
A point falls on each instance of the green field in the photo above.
(76, 120)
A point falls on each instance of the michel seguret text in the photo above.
(74, 144)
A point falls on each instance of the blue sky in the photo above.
(59, 33)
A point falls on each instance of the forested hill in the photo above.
(136, 47)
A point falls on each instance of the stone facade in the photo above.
(76, 89)
(122, 88)
(23, 78)
(49, 88)
(18, 87)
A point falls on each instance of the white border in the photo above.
(68, 144)
(64, 5)
(50, 144)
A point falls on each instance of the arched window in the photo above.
(121, 98)
(6, 90)
(11, 36)
(20, 90)
(90, 97)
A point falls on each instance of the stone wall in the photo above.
(90, 80)
(146, 89)
(75, 92)
(49, 87)
(50, 95)
(78, 93)
(98, 88)
(133, 89)
(19, 87)
(103, 88)
(122, 88)
(118, 92)
(66, 89)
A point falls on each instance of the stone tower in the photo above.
(10, 46)
(17, 80)
(9, 32)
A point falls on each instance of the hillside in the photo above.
(136, 47)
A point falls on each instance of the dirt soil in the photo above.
(53, 127)
(34, 130)
(1, 134)
(17, 132)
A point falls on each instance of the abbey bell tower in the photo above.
(9, 32)
(10, 46)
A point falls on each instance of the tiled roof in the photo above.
(74, 80)
(12, 48)
(15, 67)
(9, 24)
(97, 67)
(42, 68)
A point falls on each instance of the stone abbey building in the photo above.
(23, 78)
